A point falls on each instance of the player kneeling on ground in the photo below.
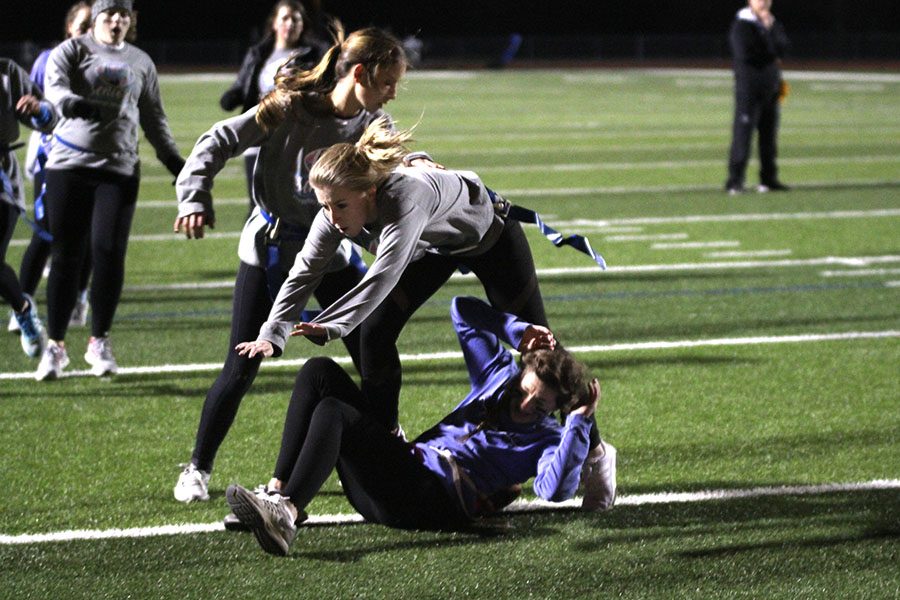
(467, 466)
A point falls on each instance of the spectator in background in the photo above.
(106, 89)
(20, 102)
(78, 22)
(758, 42)
(286, 41)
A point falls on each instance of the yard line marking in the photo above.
(646, 238)
(653, 345)
(593, 271)
(669, 164)
(892, 284)
(517, 507)
(790, 74)
(680, 189)
(735, 218)
(860, 272)
(690, 245)
(748, 253)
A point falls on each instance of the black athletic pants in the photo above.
(38, 251)
(328, 425)
(251, 306)
(756, 109)
(507, 273)
(10, 290)
(87, 210)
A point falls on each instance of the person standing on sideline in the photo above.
(306, 113)
(284, 44)
(106, 89)
(468, 466)
(78, 22)
(20, 102)
(758, 43)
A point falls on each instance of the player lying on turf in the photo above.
(467, 466)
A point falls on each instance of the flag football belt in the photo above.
(525, 215)
(8, 190)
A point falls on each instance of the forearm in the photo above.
(559, 470)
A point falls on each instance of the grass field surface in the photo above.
(748, 349)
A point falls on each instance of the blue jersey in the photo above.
(474, 466)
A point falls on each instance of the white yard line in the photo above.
(652, 345)
(748, 253)
(692, 245)
(860, 272)
(650, 237)
(520, 506)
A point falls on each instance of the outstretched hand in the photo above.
(193, 225)
(426, 163)
(537, 337)
(251, 349)
(588, 409)
(309, 329)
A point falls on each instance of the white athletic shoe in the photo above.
(270, 516)
(13, 325)
(80, 312)
(193, 484)
(53, 361)
(598, 476)
(99, 356)
(31, 330)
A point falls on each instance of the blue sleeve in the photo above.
(559, 468)
(480, 330)
(39, 68)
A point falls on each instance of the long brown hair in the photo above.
(370, 47)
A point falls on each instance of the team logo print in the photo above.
(301, 176)
(115, 74)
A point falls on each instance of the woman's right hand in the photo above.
(259, 347)
(193, 225)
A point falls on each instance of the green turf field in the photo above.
(742, 343)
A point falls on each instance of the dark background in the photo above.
(41, 21)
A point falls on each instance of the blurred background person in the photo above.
(758, 42)
(105, 89)
(286, 42)
(78, 22)
(20, 102)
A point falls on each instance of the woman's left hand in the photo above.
(537, 337)
(309, 329)
(426, 163)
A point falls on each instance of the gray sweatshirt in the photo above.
(281, 177)
(15, 83)
(419, 210)
(123, 83)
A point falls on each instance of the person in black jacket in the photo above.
(287, 43)
(758, 42)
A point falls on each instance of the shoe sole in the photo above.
(234, 524)
(243, 505)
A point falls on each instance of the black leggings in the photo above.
(10, 290)
(38, 251)
(87, 208)
(328, 425)
(507, 273)
(251, 306)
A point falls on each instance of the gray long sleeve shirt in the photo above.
(122, 81)
(15, 83)
(281, 177)
(419, 210)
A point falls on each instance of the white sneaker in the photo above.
(53, 361)
(193, 484)
(13, 325)
(80, 312)
(99, 356)
(270, 516)
(598, 476)
(31, 330)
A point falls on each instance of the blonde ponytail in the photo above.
(370, 47)
(364, 164)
